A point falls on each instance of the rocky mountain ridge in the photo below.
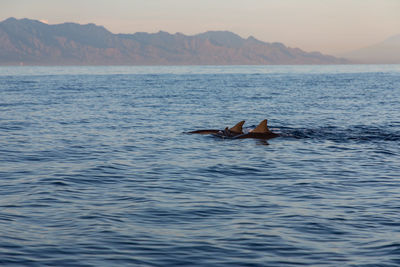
(31, 42)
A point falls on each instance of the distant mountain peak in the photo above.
(385, 52)
(222, 38)
(13, 20)
(393, 40)
(163, 33)
(10, 19)
(35, 43)
(220, 35)
(252, 38)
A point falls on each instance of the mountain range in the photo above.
(31, 42)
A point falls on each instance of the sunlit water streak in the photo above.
(95, 168)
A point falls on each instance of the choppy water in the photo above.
(95, 169)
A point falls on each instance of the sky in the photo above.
(328, 26)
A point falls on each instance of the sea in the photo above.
(96, 167)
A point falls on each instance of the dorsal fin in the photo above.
(261, 128)
(238, 128)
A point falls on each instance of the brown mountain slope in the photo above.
(34, 43)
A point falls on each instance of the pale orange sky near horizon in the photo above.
(328, 26)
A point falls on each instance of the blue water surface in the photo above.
(96, 170)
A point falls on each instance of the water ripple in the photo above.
(95, 170)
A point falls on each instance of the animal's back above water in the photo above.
(211, 131)
(236, 132)
(268, 135)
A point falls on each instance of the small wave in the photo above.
(15, 125)
(359, 133)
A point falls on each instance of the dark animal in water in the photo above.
(236, 132)
(260, 132)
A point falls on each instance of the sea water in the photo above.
(96, 170)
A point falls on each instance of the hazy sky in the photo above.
(329, 26)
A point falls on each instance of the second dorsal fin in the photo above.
(261, 128)
(238, 128)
